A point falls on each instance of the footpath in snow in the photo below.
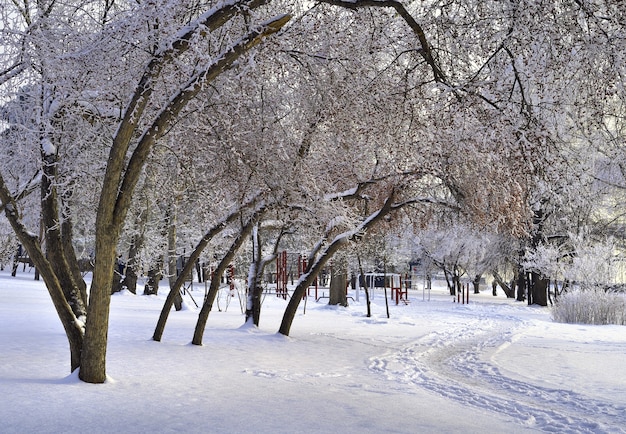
(491, 366)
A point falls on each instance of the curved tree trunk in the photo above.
(175, 289)
(54, 245)
(215, 282)
(72, 325)
(316, 266)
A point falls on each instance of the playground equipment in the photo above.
(21, 257)
(399, 293)
(281, 275)
(462, 294)
(283, 266)
(397, 283)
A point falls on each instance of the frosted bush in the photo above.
(597, 307)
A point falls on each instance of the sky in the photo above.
(434, 366)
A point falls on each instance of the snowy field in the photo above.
(492, 366)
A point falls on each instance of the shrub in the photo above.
(597, 307)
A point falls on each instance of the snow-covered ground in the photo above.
(491, 366)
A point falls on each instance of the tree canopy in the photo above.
(210, 121)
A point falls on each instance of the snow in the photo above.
(491, 366)
(334, 196)
(47, 147)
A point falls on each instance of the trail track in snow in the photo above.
(455, 362)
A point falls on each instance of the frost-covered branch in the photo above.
(351, 193)
(185, 94)
(26, 189)
(425, 52)
(12, 72)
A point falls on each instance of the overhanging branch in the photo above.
(186, 93)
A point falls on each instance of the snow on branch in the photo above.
(186, 93)
(425, 50)
(351, 193)
(11, 72)
(207, 22)
(25, 189)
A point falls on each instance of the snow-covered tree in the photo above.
(357, 110)
(112, 80)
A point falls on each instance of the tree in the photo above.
(143, 121)
(361, 108)
(338, 282)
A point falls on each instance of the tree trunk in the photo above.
(68, 249)
(316, 266)
(476, 283)
(175, 290)
(215, 282)
(365, 288)
(130, 276)
(449, 281)
(93, 360)
(521, 284)
(54, 245)
(172, 259)
(254, 289)
(508, 290)
(538, 293)
(539, 290)
(154, 276)
(338, 283)
(72, 325)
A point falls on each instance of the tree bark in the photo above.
(154, 276)
(521, 284)
(539, 289)
(510, 292)
(449, 281)
(338, 282)
(130, 277)
(253, 304)
(54, 245)
(365, 288)
(172, 258)
(476, 284)
(70, 254)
